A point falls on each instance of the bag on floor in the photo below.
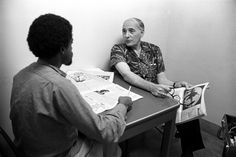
(228, 134)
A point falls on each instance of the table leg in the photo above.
(167, 137)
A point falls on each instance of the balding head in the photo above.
(137, 21)
(133, 31)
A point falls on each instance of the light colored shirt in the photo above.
(50, 117)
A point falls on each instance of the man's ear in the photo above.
(142, 32)
(62, 49)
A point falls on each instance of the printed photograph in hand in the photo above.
(192, 97)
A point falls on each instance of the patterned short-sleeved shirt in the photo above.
(147, 65)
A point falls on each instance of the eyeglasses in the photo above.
(232, 130)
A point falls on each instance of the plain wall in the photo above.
(197, 39)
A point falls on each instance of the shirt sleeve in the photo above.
(117, 55)
(106, 127)
(159, 60)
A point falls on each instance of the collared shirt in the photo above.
(50, 117)
(147, 65)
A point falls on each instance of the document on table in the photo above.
(107, 97)
(106, 75)
(100, 93)
(86, 82)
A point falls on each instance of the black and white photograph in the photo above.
(98, 78)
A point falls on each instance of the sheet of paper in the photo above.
(86, 82)
(106, 75)
(99, 91)
(107, 97)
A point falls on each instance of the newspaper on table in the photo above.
(192, 102)
(90, 80)
(98, 89)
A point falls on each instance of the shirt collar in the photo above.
(143, 45)
(62, 73)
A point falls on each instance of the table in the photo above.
(148, 112)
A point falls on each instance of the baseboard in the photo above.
(209, 127)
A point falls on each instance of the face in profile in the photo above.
(131, 32)
(68, 54)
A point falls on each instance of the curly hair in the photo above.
(48, 34)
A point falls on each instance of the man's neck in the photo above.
(52, 61)
(137, 49)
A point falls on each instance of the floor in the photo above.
(150, 146)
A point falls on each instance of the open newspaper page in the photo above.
(192, 103)
(86, 82)
(107, 75)
(107, 97)
(99, 91)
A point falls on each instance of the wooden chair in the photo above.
(7, 147)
